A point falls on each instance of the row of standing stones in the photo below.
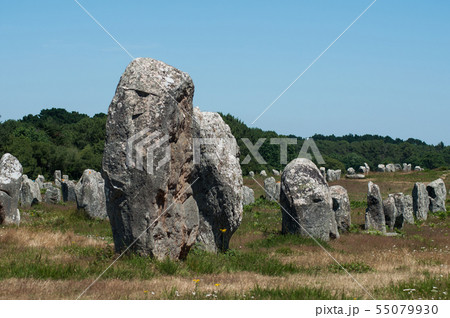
(16, 189)
(163, 212)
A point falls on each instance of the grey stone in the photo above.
(363, 169)
(306, 201)
(404, 206)
(270, 189)
(68, 190)
(151, 205)
(397, 167)
(52, 195)
(248, 195)
(40, 180)
(438, 195)
(351, 171)
(30, 193)
(367, 167)
(65, 177)
(251, 174)
(333, 175)
(381, 168)
(57, 176)
(10, 182)
(390, 167)
(375, 219)
(421, 201)
(323, 172)
(355, 176)
(218, 191)
(90, 194)
(47, 185)
(275, 172)
(418, 168)
(263, 173)
(390, 211)
(341, 208)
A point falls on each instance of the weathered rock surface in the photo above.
(421, 201)
(40, 180)
(333, 175)
(351, 171)
(151, 203)
(341, 208)
(68, 190)
(375, 219)
(418, 168)
(52, 195)
(381, 168)
(367, 167)
(270, 189)
(65, 177)
(248, 195)
(404, 206)
(47, 185)
(90, 194)
(323, 172)
(438, 195)
(218, 191)
(363, 169)
(390, 211)
(263, 173)
(251, 174)
(58, 178)
(397, 167)
(275, 172)
(10, 182)
(30, 193)
(306, 201)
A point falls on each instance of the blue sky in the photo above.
(388, 75)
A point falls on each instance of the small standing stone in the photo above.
(438, 195)
(251, 174)
(275, 172)
(375, 219)
(421, 201)
(263, 173)
(30, 193)
(248, 195)
(58, 178)
(381, 168)
(52, 195)
(351, 171)
(390, 211)
(270, 189)
(341, 207)
(68, 190)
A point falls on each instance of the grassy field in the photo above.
(57, 252)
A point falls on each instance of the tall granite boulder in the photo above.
(390, 167)
(341, 208)
(10, 182)
(68, 190)
(40, 180)
(397, 167)
(404, 206)
(30, 193)
(218, 191)
(351, 171)
(421, 201)
(333, 175)
(390, 211)
(263, 173)
(248, 195)
(438, 195)
(52, 195)
(306, 201)
(375, 219)
(148, 161)
(58, 178)
(270, 189)
(90, 194)
(381, 168)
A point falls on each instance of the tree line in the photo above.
(56, 139)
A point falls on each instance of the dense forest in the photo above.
(69, 141)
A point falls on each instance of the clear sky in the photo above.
(389, 74)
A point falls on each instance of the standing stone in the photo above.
(438, 195)
(218, 191)
(263, 173)
(57, 175)
(90, 194)
(390, 211)
(151, 201)
(65, 177)
(68, 190)
(251, 174)
(404, 205)
(30, 193)
(397, 167)
(367, 167)
(417, 168)
(248, 195)
(47, 185)
(351, 171)
(390, 167)
(355, 176)
(275, 172)
(333, 175)
(381, 168)
(341, 208)
(10, 182)
(52, 195)
(375, 219)
(306, 201)
(40, 180)
(270, 189)
(421, 201)
(323, 172)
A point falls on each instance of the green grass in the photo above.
(354, 267)
(278, 239)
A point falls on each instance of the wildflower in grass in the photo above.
(217, 285)
(223, 230)
(145, 291)
(196, 280)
